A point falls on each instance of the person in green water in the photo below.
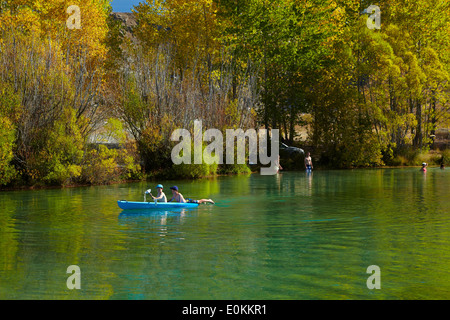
(308, 162)
(424, 167)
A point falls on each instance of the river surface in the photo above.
(289, 236)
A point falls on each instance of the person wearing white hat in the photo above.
(424, 167)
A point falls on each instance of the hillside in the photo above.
(128, 20)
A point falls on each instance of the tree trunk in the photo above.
(418, 139)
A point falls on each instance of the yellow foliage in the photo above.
(47, 19)
(23, 19)
(190, 25)
(7, 133)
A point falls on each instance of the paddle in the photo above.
(149, 191)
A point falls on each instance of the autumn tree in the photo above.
(385, 84)
(427, 24)
(288, 41)
(176, 73)
(58, 74)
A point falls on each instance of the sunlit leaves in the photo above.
(189, 25)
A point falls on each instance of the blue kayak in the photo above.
(125, 205)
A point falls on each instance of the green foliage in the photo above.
(288, 40)
(10, 103)
(114, 40)
(380, 95)
(373, 97)
(126, 159)
(114, 129)
(60, 160)
(154, 144)
(363, 153)
(414, 157)
(431, 158)
(10, 108)
(233, 169)
(7, 138)
(100, 166)
(446, 157)
(193, 171)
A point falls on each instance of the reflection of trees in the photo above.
(9, 246)
(303, 233)
(47, 231)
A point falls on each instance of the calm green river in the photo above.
(289, 236)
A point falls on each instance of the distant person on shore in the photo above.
(308, 162)
(424, 167)
(161, 197)
(178, 197)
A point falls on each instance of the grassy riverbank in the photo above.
(416, 158)
(408, 158)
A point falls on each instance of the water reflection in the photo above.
(292, 236)
(157, 216)
(309, 176)
(164, 223)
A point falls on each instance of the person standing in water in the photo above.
(178, 197)
(308, 162)
(278, 165)
(424, 167)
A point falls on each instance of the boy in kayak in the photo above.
(178, 197)
(161, 197)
